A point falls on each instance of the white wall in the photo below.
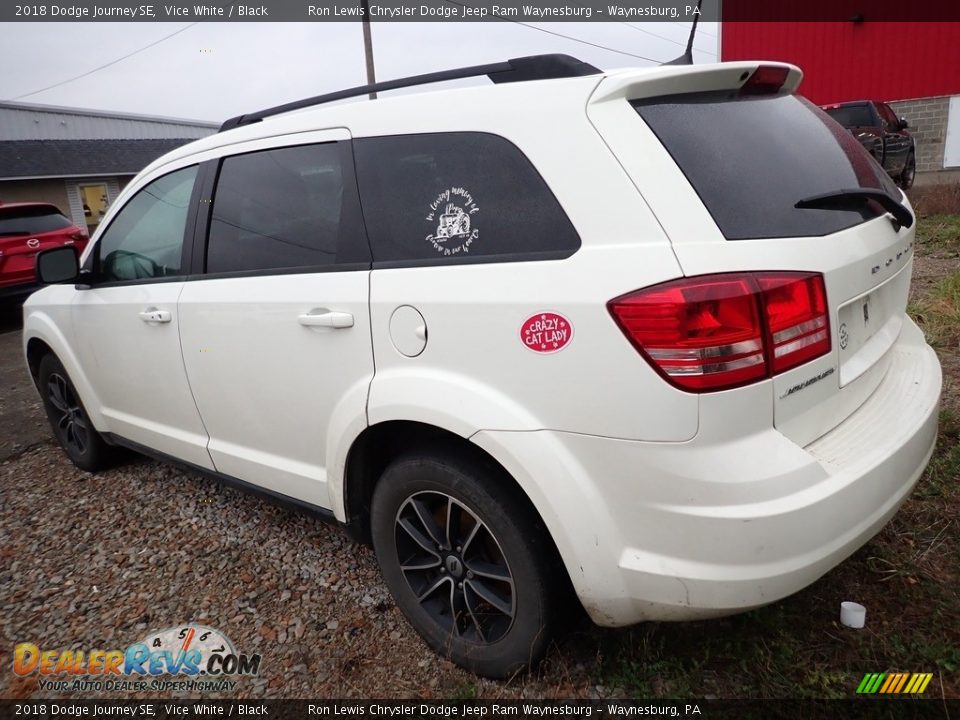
(951, 148)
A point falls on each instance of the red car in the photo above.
(26, 229)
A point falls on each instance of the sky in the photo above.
(212, 71)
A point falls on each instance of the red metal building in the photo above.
(854, 60)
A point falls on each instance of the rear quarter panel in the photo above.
(476, 372)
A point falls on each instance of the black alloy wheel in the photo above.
(72, 426)
(454, 565)
(69, 420)
(468, 560)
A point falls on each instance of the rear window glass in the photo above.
(449, 197)
(751, 159)
(31, 220)
(852, 115)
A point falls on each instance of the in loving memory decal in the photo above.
(453, 211)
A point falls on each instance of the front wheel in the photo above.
(68, 419)
(909, 173)
(470, 567)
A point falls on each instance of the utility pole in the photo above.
(368, 45)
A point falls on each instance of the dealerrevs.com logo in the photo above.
(204, 656)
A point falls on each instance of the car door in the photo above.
(276, 333)
(127, 322)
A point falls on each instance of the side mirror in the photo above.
(904, 124)
(58, 265)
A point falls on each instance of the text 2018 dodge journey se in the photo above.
(640, 334)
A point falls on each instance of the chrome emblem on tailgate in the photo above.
(807, 383)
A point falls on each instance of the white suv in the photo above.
(639, 334)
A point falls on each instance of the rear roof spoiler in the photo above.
(684, 79)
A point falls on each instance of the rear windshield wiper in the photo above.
(857, 196)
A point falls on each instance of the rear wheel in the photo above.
(472, 572)
(68, 419)
(909, 173)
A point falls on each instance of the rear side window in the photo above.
(292, 207)
(852, 115)
(449, 197)
(751, 159)
(31, 220)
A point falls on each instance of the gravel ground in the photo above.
(22, 422)
(98, 561)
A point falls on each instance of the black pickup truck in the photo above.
(882, 133)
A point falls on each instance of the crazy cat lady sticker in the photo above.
(546, 332)
(453, 213)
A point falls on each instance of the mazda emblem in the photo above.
(33, 243)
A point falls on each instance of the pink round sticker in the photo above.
(546, 332)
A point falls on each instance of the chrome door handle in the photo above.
(327, 318)
(152, 315)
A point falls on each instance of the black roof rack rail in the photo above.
(533, 67)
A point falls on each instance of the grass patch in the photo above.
(938, 312)
(943, 472)
(940, 231)
(936, 199)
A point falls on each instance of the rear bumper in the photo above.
(718, 525)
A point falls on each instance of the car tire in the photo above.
(68, 418)
(470, 566)
(909, 173)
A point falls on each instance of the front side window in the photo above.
(444, 197)
(145, 239)
(291, 207)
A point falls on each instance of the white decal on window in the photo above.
(456, 228)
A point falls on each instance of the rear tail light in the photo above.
(716, 332)
(765, 80)
(796, 317)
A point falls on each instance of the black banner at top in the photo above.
(843, 11)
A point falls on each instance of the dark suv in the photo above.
(882, 133)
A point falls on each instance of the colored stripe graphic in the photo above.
(894, 683)
(915, 681)
(862, 687)
(890, 681)
(903, 679)
(875, 685)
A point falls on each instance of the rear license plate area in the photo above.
(868, 325)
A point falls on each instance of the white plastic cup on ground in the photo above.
(852, 614)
